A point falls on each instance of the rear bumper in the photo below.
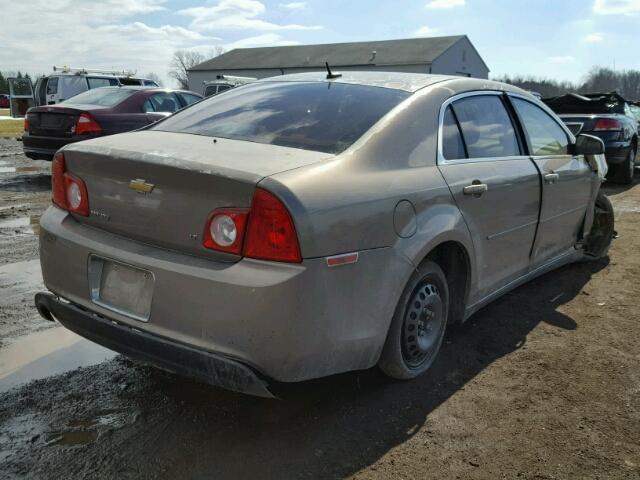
(44, 148)
(292, 322)
(616, 154)
(161, 352)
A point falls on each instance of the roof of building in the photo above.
(412, 51)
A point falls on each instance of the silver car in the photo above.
(307, 225)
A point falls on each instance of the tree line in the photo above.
(598, 80)
(4, 85)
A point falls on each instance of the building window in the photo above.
(464, 55)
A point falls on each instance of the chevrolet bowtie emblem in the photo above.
(140, 186)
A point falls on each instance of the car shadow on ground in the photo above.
(336, 426)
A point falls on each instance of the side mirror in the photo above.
(588, 145)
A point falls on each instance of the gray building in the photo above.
(454, 55)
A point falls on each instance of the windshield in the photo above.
(105, 97)
(636, 111)
(320, 116)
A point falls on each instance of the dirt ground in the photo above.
(542, 384)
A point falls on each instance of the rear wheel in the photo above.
(602, 230)
(624, 172)
(418, 325)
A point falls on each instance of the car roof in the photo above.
(409, 82)
(147, 88)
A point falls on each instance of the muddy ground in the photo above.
(542, 384)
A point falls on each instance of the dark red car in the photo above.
(96, 113)
(4, 100)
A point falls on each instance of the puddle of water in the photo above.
(14, 206)
(27, 183)
(73, 438)
(29, 169)
(29, 224)
(47, 353)
(27, 275)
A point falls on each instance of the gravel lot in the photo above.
(542, 384)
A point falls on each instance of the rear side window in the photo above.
(452, 145)
(52, 86)
(105, 97)
(325, 117)
(545, 135)
(486, 127)
(97, 82)
(161, 102)
(189, 98)
(71, 85)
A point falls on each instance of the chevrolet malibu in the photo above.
(312, 224)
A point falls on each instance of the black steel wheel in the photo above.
(423, 322)
(418, 325)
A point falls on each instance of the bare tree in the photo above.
(183, 60)
(155, 77)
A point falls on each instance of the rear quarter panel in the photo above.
(347, 203)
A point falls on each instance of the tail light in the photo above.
(69, 192)
(607, 124)
(264, 232)
(86, 124)
(26, 123)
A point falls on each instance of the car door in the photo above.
(21, 96)
(566, 181)
(495, 185)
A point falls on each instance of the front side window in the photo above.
(320, 116)
(486, 127)
(452, 145)
(545, 135)
(189, 98)
(52, 86)
(97, 82)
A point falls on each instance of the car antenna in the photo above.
(330, 74)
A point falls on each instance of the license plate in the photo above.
(121, 288)
(51, 119)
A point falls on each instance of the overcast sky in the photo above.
(549, 38)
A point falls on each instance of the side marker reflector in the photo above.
(344, 259)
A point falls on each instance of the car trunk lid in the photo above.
(56, 121)
(159, 188)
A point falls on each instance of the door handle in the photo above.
(476, 188)
(551, 177)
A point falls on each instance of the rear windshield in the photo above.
(585, 105)
(105, 97)
(313, 116)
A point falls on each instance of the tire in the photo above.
(603, 229)
(624, 172)
(418, 324)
